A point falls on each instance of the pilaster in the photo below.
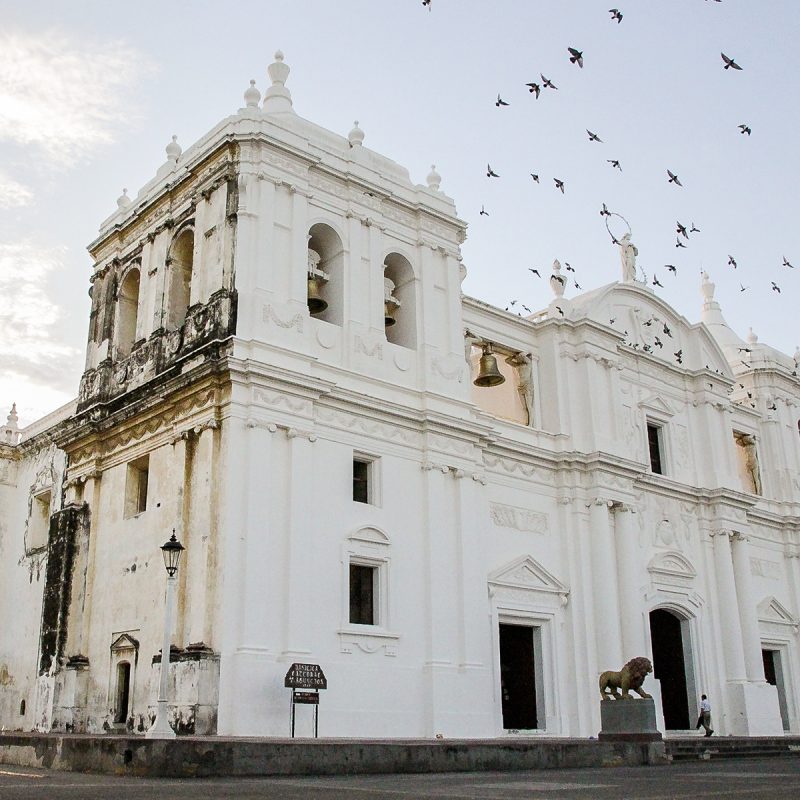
(728, 606)
(751, 638)
(630, 599)
(604, 586)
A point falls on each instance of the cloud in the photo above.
(12, 193)
(29, 349)
(64, 95)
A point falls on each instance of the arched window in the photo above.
(179, 279)
(325, 274)
(399, 301)
(127, 313)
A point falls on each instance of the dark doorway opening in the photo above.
(669, 667)
(123, 691)
(518, 677)
(773, 672)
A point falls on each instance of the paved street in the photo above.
(776, 779)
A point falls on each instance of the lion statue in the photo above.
(630, 677)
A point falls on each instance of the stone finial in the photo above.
(557, 281)
(10, 433)
(751, 337)
(278, 98)
(707, 288)
(434, 179)
(797, 355)
(252, 97)
(356, 136)
(174, 150)
(123, 200)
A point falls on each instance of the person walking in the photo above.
(705, 715)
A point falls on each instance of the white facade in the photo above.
(510, 543)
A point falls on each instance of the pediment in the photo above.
(370, 535)
(771, 610)
(124, 642)
(527, 573)
(672, 565)
(657, 404)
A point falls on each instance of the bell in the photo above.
(488, 373)
(316, 305)
(388, 313)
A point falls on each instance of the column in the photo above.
(299, 543)
(751, 638)
(728, 606)
(604, 587)
(631, 601)
(442, 634)
(91, 495)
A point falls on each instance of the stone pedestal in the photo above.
(629, 720)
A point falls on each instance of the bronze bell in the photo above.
(488, 373)
(316, 305)
(388, 313)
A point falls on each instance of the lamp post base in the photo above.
(161, 729)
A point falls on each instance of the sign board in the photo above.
(305, 676)
(311, 698)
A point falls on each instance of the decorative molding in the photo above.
(765, 569)
(297, 405)
(370, 427)
(520, 519)
(445, 367)
(772, 612)
(374, 350)
(269, 314)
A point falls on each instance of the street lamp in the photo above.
(161, 729)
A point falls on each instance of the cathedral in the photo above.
(460, 515)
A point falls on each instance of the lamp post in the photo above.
(161, 729)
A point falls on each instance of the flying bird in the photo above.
(593, 137)
(535, 272)
(484, 212)
(692, 229)
(743, 288)
(560, 310)
(681, 229)
(775, 287)
(616, 14)
(604, 212)
(427, 3)
(667, 331)
(614, 163)
(657, 282)
(673, 178)
(575, 56)
(490, 173)
(787, 264)
(547, 83)
(745, 129)
(679, 356)
(672, 268)
(534, 88)
(569, 267)
(535, 177)
(729, 62)
(732, 261)
(559, 184)
(657, 342)
(577, 285)
(500, 102)
(679, 243)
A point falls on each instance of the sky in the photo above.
(91, 93)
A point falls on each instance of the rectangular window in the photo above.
(362, 594)
(136, 486)
(362, 480)
(38, 522)
(656, 446)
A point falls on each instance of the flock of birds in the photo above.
(683, 233)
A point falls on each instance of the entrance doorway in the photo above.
(773, 672)
(518, 684)
(123, 692)
(669, 666)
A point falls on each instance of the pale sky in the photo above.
(91, 92)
